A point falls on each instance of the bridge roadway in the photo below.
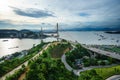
(106, 53)
(98, 51)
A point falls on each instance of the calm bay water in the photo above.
(17, 45)
(92, 37)
(10, 46)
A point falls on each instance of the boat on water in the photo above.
(5, 40)
(17, 47)
(117, 41)
(99, 39)
(14, 47)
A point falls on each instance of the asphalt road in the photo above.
(106, 53)
(77, 72)
(115, 77)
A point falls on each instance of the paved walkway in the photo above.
(99, 51)
(77, 71)
(115, 77)
(25, 63)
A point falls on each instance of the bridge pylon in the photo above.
(57, 31)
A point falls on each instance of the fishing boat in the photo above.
(5, 40)
(14, 47)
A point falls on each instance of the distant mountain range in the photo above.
(113, 32)
(80, 29)
(93, 29)
(71, 29)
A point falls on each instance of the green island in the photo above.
(49, 66)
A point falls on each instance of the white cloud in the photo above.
(66, 11)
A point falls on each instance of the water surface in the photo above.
(88, 37)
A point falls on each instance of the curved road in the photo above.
(99, 51)
(77, 71)
(115, 77)
(25, 63)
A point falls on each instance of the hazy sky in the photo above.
(33, 14)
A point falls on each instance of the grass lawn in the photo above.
(107, 72)
(104, 73)
(58, 49)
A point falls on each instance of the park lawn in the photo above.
(103, 73)
(107, 72)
